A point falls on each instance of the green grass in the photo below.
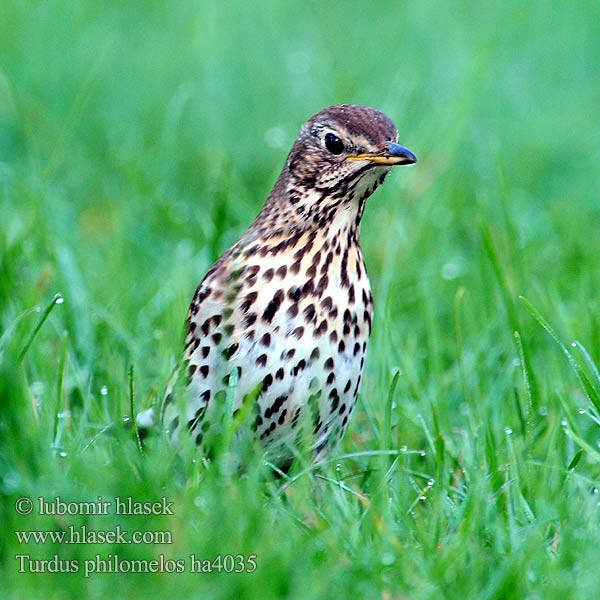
(138, 140)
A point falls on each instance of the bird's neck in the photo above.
(295, 211)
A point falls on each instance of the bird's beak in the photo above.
(394, 154)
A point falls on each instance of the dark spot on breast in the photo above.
(281, 272)
(250, 319)
(321, 329)
(258, 422)
(288, 354)
(322, 285)
(274, 408)
(248, 301)
(205, 327)
(268, 275)
(326, 303)
(265, 340)
(294, 293)
(273, 306)
(327, 262)
(298, 332)
(341, 346)
(330, 378)
(351, 297)
(266, 383)
(292, 311)
(333, 337)
(279, 374)
(216, 338)
(261, 361)
(315, 354)
(192, 370)
(229, 352)
(308, 288)
(344, 269)
(335, 399)
(296, 416)
(282, 416)
(205, 351)
(204, 370)
(328, 364)
(299, 367)
(309, 313)
(295, 268)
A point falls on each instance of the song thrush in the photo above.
(289, 306)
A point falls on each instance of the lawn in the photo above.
(137, 142)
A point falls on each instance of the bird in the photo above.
(286, 312)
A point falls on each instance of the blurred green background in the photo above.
(138, 140)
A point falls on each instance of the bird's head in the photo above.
(343, 153)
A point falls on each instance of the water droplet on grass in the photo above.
(275, 137)
(430, 482)
(37, 388)
(387, 559)
(450, 271)
(104, 390)
(58, 299)
(10, 483)
(508, 431)
(581, 411)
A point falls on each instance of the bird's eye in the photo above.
(333, 143)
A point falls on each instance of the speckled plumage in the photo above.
(289, 305)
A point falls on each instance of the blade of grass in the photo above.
(60, 379)
(589, 389)
(58, 299)
(387, 418)
(500, 274)
(132, 412)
